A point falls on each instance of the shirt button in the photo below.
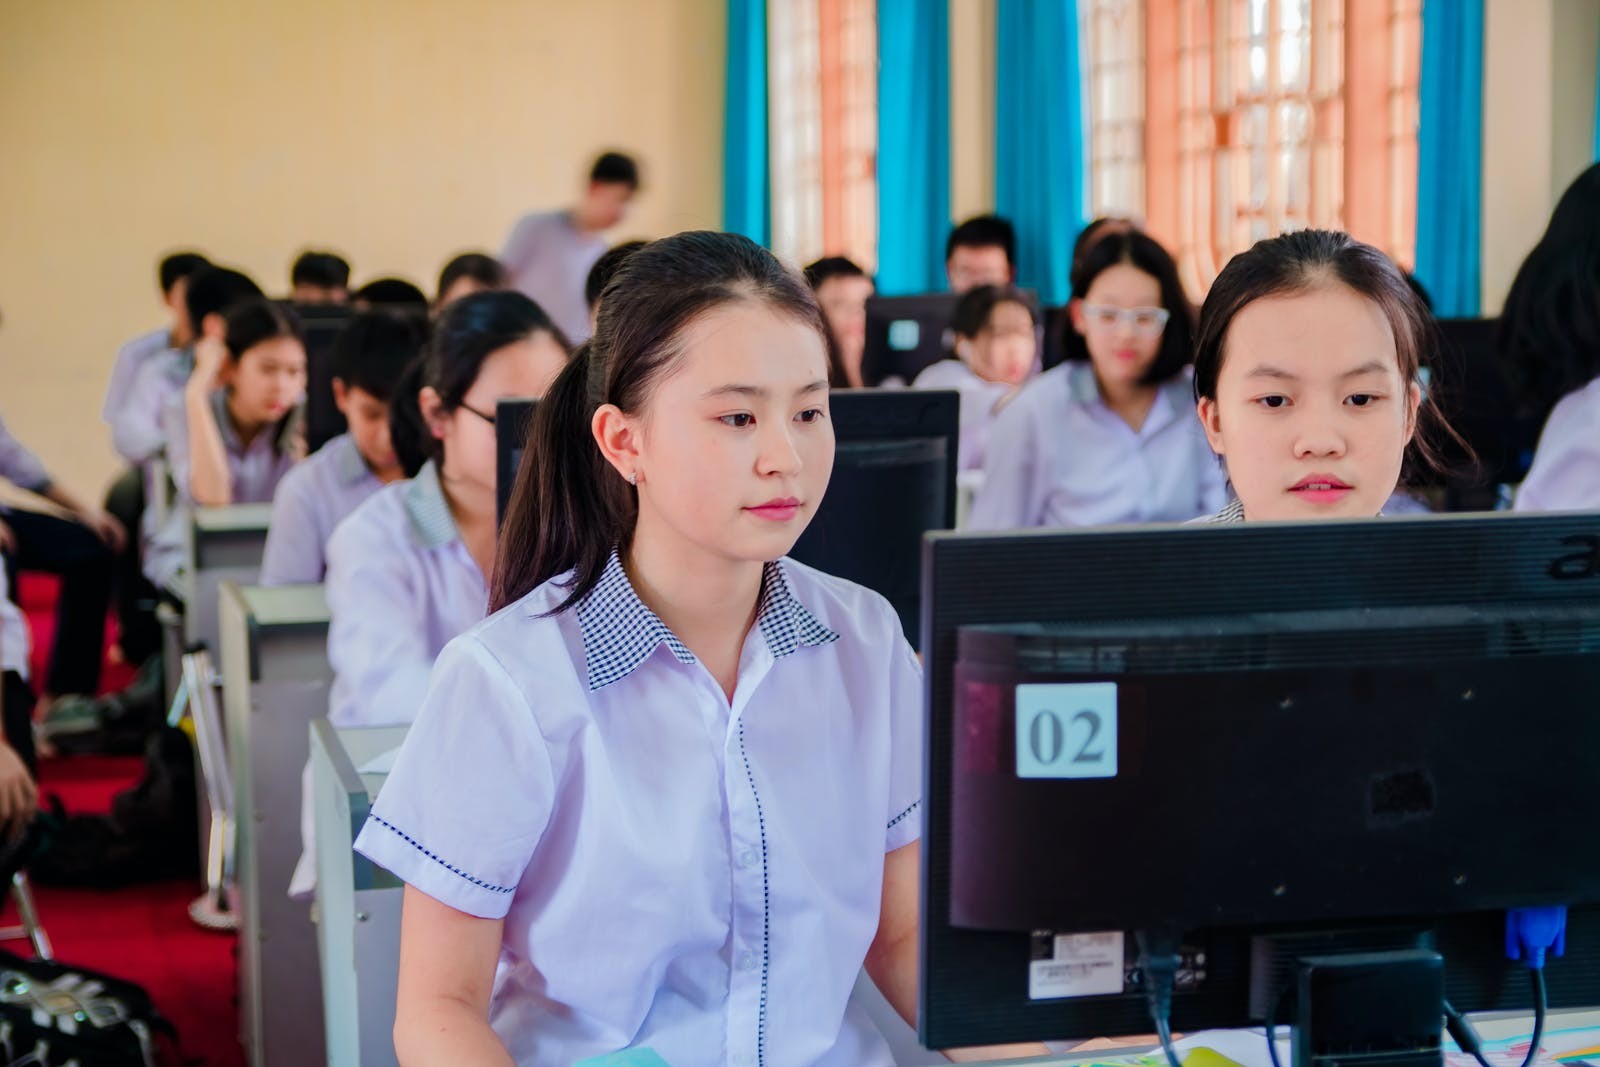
(748, 961)
(748, 858)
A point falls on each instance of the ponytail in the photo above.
(408, 431)
(568, 506)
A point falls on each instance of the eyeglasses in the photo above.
(1146, 322)
(482, 415)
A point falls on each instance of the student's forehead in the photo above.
(1323, 332)
(752, 343)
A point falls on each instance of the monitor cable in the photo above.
(1159, 962)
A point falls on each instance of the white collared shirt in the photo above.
(311, 501)
(16, 642)
(131, 358)
(675, 872)
(980, 401)
(1058, 456)
(1565, 475)
(400, 585)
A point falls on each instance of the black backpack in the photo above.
(53, 1015)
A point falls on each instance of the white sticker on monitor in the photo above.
(1077, 965)
(1067, 730)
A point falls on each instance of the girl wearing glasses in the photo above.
(1109, 436)
(996, 346)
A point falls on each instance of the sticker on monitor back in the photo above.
(1075, 965)
(1067, 730)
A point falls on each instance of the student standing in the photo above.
(668, 795)
(1108, 436)
(548, 255)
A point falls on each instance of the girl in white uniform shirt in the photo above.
(1108, 436)
(1550, 333)
(408, 569)
(1305, 374)
(667, 797)
(996, 345)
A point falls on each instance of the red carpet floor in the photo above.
(142, 933)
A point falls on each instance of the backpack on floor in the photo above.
(53, 1015)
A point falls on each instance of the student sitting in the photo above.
(319, 278)
(18, 793)
(395, 294)
(1305, 374)
(369, 357)
(668, 796)
(981, 251)
(468, 273)
(234, 432)
(1550, 336)
(996, 346)
(409, 569)
(1107, 437)
(605, 268)
(842, 290)
(173, 273)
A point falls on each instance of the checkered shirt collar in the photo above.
(620, 632)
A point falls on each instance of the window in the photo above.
(1113, 42)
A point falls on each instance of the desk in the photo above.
(358, 903)
(274, 657)
(225, 545)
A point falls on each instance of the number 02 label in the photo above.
(1067, 730)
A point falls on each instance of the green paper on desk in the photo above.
(628, 1057)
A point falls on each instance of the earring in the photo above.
(633, 477)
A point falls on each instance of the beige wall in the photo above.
(1538, 123)
(972, 100)
(394, 131)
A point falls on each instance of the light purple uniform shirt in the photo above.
(400, 584)
(548, 258)
(131, 357)
(19, 465)
(980, 401)
(676, 871)
(1565, 475)
(311, 501)
(253, 473)
(1058, 456)
(137, 424)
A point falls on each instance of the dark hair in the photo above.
(983, 231)
(252, 321)
(373, 352)
(1090, 234)
(569, 507)
(1549, 334)
(1307, 260)
(972, 311)
(615, 168)
(478, 266)
(325, 270)
(606, 267)
(178, 266)
(829, 267)
(391, 292)
(213, 290)
(1145, 253)
(468, 332)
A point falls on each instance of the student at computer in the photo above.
(1305, 376)
(368, 360)
(843, 289)
(173, 273)
(1108, 436)
(319, 278)
(234, 431)
(465, 274)
(995, 334)
(981, 251)
(1550, 336)
(668, 795)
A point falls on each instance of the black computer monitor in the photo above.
(1270, 739)
(906, 335)
(512, 420)
(1057, 323)
(894, 479)
(322, 324)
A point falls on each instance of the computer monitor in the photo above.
(906, 335)
(321, 324)
(1271, 739)
(894, 479)
(1057, 323)
(512, 420)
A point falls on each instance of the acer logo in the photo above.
(1583, 562)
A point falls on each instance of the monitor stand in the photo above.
(1370, 1009)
